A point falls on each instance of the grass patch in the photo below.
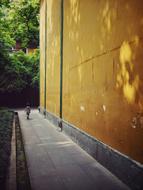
(6, 120)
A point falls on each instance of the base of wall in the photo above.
(126, 169)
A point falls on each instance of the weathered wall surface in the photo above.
(53, 56)
(103, 73)
(102, 70)
(42, 53)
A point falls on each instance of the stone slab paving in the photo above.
(56, 163)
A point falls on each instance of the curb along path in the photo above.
(11, 179)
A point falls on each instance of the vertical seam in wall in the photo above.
(40, 58)
(45, 54)
(61, 56)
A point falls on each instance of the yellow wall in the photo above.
(53, 56)
(42, 52)
(31, 50)
(102, 69)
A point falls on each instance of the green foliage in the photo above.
(19, 21)
(21, 72)
(6, 119)
(5, 33)
(24, 20)
(4, 3)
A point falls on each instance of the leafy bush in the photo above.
(19, 72)
(22, 71)
(6, 119)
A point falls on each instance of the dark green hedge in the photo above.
(6, 119)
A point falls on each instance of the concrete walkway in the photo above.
(56, 163)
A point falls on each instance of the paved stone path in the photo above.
(56, 163)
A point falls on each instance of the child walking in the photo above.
(27, 110)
